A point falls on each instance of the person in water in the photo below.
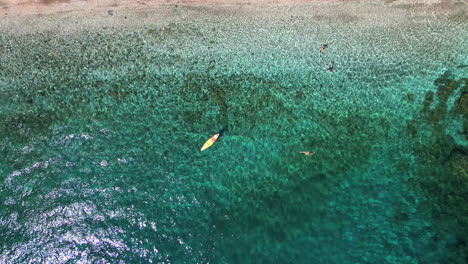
(323, 47)
(330, 67)
(307, 153)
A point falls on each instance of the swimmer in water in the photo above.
(324, 46)
(307, 153)
(330, 67)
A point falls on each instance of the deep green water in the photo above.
(101, 129)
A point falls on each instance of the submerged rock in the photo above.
(441, 169)
(458, 162)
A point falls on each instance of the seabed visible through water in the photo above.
(103, 116)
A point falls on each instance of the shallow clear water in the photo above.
(101, 129)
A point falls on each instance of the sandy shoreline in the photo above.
(43, 7)
(10, 8)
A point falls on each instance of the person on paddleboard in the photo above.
(212, 140)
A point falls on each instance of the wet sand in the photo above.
(43, 7)
(18, 7)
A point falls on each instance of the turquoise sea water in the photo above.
(101, 128)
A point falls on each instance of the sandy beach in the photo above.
(42, 7)
(28, 7)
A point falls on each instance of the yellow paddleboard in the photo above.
(210, 142)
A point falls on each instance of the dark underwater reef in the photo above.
(441, 166)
